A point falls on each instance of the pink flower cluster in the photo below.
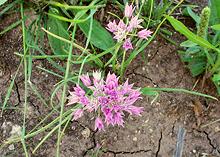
(108, 100)
(121, 30)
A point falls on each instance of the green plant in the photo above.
(153, 11)
(202, 52)
(33, 48)
(68, 19)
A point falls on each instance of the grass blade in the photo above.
(181, 28)
(11, 27)
(177, 90)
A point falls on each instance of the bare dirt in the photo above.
(153, 134)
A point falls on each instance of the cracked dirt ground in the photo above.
(152, 135)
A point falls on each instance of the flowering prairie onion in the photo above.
(122, 31)
(109, 100)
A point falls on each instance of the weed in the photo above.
(202, 53)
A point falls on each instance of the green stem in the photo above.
(178, 90)
(151, 9)
(217, 63)
(42, 129)
(51, 132)
(67, 7)
(64, 93)
(114, 57)
(25, 82)
(65, 40)
(122, 64)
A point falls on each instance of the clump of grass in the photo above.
(202, 53)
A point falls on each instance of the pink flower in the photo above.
(144, 34)
(112, 26)
(134, 110)
(121, 25)
(97, 81)
(78, 91)
(77, 114)
(122, 31)
(97, 75)
(127, 44)
(86, 80)
(78, 96)
(108, 98)
(109, 119)
(93, 105)
(72, 98)
(99, 124)
(127, 88)
(128, 10)
(84, 100)
(118, 119)
(111, 81)
(120, 34)
(134, 23)
(132, 97)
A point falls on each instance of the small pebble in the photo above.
(217, 129)
(30, 111)
(11, 147)
(131, 118)
(86, 133)
(15, 131)
(135, 139)
(158, 104)
(146, 121)
(1, 73)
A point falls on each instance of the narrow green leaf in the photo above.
(216, 77)
(188, 43)
(68, 7)
(59, 28)
(178, 90)
(149, 92)
(180, 27)
(215, 12)
(197, 66)
(195, 17)
(13, 25)
(8, 7)
(216, 27)
(216, 80)
(2, 2)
